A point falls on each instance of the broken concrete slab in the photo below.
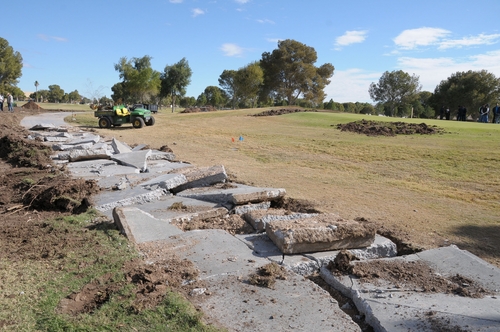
(160, 155)
(173, 208)
(43, 126)
(401, 308)
(166, 181)
(139, 226)
(120, 147)
(201, 176)
(100, 145)
(230, 195)
(308, 264)
(381, 247)
(321, 233)
(86, 138)
(263, 247)
(108, 200)
(66, 147)
(242, 209)
(52, 139)
(225, 265)
(139, 147)
(260, 218)
(165, 166)
(135, 159)
(81, 155)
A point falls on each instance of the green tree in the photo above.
(74, 96)
(43, 95)
(215, 96)
(289, 73)
(201, 100)
(227, 81)
(187, 102)
(470, 89)
(395, 90)
(139, 80)
(120, 95)
(56, 94)
(11, 64)
(249, 80)
(349, 107)
(175, 79)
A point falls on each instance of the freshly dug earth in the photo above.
(33, 192)
(31, 105)
(414, 275)
(151, 284)
(383, 128)
(208, 108)
(282, 111)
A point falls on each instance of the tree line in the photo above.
(286, 76)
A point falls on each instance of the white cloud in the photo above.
(265, 21)
(470, 41)
(197, 11)
(351, 37)
(242, 1)
(49, 38)
(433, 70)
(274, 40)
(176, 1)
(232, 50)
(351, 85)
(413, 38)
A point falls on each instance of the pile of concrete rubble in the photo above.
(140, 185)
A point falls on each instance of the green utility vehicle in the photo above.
(120, 114)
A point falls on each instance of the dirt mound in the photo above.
(20, 152)
(267, 275)
(404, 275)
(282, 111)
(151, 282)
(197, 109)
(233, 224)
(31, 105)
(383, 128)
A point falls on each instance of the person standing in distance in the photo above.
(1, 102)
(496, 112)
(10, 100)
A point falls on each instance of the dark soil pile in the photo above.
(405, 275)
(199, 109)
(383, 128)
(267, 275)
(282, 111)
(31, 105)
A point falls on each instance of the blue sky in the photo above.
(75, 44)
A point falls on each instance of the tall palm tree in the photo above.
(36, 92)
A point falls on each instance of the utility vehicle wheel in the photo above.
(104, 123)
(138, 123)
(150, 122)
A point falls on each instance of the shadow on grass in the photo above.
(483, 241)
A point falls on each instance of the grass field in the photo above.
(439, 189)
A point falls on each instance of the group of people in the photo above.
(484, 112)
(10, 102)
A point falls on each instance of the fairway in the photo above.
(437, 189)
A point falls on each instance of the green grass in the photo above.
(32, 288)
